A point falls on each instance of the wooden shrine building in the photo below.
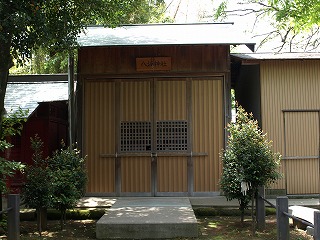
(154, 101)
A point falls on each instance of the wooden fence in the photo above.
(282, 207)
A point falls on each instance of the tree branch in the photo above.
(237, 12)
(177, 9)
(268, 6)
(256, 20)
(266, 38)
(291, 41)
(284, 39)
(309, 39)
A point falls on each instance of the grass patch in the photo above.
(230, 228)
(73, 214)
(214, 223)
(77, 214)
(212, 227)
(221, 211)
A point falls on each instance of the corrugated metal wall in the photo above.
(302, 148)
(100, 135)
(293, 85)
(208, 124)
(171, 100)
(115, 92)
(136, 174)
(153, 100)
(171, 105)
(135, 103)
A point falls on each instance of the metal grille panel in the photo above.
(172, 136)
(135, 136)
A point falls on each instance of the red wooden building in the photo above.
(45, 97)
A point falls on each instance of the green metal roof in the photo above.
(165, 34)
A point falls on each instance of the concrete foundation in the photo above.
(145, 218)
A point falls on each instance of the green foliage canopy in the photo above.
(297, 14)
(294, 25)
(53, 25)
(27, 25)
(300, 14)
(7, 169)
(12, 125)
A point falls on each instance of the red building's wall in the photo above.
(50, 123)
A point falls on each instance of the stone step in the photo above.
(145, 218)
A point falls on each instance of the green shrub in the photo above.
(248, 160)
(37, 192)
(57, 182)
(68, 178)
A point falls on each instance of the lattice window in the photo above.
(172, 136)
(135, 136)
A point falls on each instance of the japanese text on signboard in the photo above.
(153, 64)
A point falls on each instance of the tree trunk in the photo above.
(0, 205)
(242, 209)
(242, 216)
(42, 219)
(5, 64)
(252, 212)
(63, 218)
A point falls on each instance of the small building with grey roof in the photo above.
(282, 91)
(45, 98)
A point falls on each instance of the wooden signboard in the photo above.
(152, 64)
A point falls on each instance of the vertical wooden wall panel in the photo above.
(171, 105)
(121, 60)
(290, 85)
(171, 100)
(302, 140)
(172, 174)
(135, 106)
(303, 176)
(302, 133)
(99, 135)
(135, 101)
(208, 128)
(136, 174)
